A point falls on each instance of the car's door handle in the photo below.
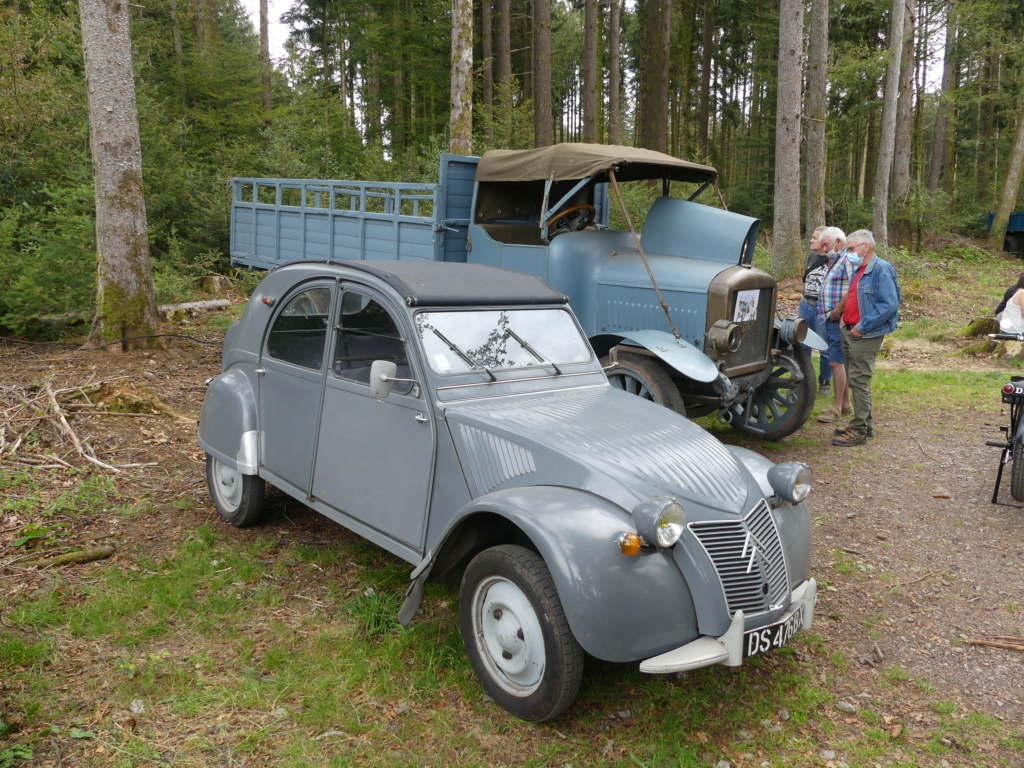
(261, 371)
(421, 418)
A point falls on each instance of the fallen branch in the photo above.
(78, 556)
(63, 423)
(1008, 644)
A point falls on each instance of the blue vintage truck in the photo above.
(1013, 240)
(676, 305)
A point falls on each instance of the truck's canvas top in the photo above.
(565, 162)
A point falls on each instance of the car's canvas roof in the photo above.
(446, 284)
(565, 162)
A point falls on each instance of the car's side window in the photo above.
(299, 333)
(367, 332)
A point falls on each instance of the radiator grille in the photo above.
(756, 334)
(748, 557)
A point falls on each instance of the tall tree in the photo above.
(487, 51)
(614, 71)
(1011, 187)
(461, 122)
(817, 104)
(543, 125)
(125, 304)
(652, 112)
(944, 108)
(590, 71)
(787, 254)
(887, 142)
(901, 165)
(265, 54)
(704, 114)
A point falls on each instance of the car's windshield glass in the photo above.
(493, 340)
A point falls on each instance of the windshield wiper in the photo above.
(465, 358)
(532, 351)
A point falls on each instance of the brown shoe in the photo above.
(847, 411)
(850, 438)
(828, 417)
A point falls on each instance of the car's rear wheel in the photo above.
(781, 404)
(645, 377)
(516, 633)
(237, 497)
(1017, 473)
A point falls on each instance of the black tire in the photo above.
(782, 403)
(1017, 473)
(516, 633)
(1012, 244)
(237, 497)
(645, 377)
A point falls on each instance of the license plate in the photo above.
(774, 635)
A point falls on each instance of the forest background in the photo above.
(362, 91)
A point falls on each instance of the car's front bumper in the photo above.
(731, 648)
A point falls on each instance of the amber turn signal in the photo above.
(630, 543)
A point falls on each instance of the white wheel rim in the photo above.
(228, 484)
(509, 636)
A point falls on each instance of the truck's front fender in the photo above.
(677, 354)
(620, 608)
(228, 425)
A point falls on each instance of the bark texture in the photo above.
(461, 123)
(887, 141)
(590, 72)
(787, 254)
(543, 122)
(614, 72)
(901, 230)
(817, 103)
(125, 305)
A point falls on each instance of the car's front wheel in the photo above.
(516, 633)
(647, 378)
(237, 497)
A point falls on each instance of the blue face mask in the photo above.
(855, 258)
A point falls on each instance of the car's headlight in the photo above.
(660, 521)
(791, 480)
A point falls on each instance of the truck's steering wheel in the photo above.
(572, 219)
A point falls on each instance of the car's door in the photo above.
(375, 457)
(292, 365)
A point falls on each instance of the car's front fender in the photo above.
(228, 425)
(620, 608)
(677, 354)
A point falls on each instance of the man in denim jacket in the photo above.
(871, 311)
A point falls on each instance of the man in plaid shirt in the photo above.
(831, 301)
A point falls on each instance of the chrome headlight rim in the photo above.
(660, 521)
(791, 481)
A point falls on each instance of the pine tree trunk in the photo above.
(1011, 187)
(817, 103)
(945, 97)
(887, 141)
(543, 127)
(265, 54)
(704, 116)
(125, 306)
(614, 72)
(902, 229)
(590, 72)
(652, 121)
(487, 50)
(461, 121)
(787, 254)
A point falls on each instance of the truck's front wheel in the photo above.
(647, 378)
(783, 402)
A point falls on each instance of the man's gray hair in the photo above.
(864, 236)
(835, 234)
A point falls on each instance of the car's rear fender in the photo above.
(228, 424)
(620, 608)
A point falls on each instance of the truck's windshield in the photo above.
(492, 340)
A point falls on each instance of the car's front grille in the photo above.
(757, 333)
(749, 559)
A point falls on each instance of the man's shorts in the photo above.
(835, 346)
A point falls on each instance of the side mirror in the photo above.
(382, 378)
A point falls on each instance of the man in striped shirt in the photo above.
(831, 299)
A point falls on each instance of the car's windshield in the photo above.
(492, 340)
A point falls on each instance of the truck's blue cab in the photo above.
(677, 304)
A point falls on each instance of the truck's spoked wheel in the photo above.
(782, 404)
(646, 378)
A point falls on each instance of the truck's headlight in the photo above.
(659, 520)
(791, 480)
